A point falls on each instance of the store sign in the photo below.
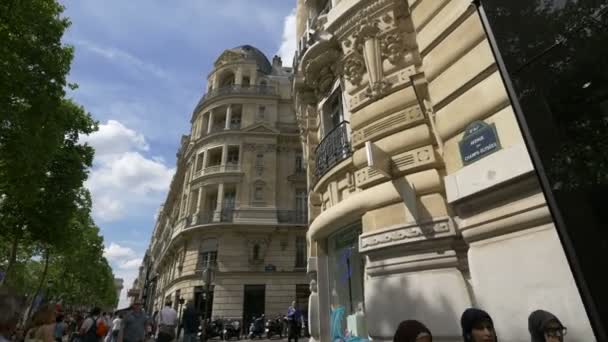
(479, 141)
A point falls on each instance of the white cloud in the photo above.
(131, 264)
(289, 39)
(116, 252)
(114, 137)
(123, 180)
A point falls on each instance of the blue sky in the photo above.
(141, 66)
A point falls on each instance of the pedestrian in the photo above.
(477, 326)
(42, 326)
(9, 316)
(60, 328)
(191, 322)
(293, 320)
(93, 328)
(134, 325)
(545, 327)
(116, 323)
(412, 331)
(167, 322)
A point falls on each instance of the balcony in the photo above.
(235, 89)
(334, 148)
(292, 216)
(209, 170)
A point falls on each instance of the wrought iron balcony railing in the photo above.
(334, 148)
(292, 216)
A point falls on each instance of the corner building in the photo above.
(237, 202)
(407, 219)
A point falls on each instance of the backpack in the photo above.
(102, 327)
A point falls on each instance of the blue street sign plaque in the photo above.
(480, 140)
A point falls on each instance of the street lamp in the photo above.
(208, 278)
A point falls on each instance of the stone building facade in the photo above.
(237, 202)
(407, 220)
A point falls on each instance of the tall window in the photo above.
(300, 251)
(299, 163)
(332, 111)
(301, 205)
(208, 254)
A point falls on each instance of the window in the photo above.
(256, 252)
(345, 277)
(333, 113)
(261, 113)
(233, 155)
(300, 251)
(301, 205)
(246, 81)
(235, 121)
(208, 254)
(299, 163)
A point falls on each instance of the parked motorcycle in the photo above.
(274, 327)
(232, 328)
(256, 329)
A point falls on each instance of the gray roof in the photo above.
(251, 53)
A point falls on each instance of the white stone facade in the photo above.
(237, 203)
(384, 91)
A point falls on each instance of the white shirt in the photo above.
(167, 316)
(116, 323)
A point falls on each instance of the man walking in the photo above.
(190, 322)
(167, 322)
(293, 320)
(133, 328)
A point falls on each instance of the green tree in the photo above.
(42, 165)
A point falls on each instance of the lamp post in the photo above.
(208, 278)
(181, 312)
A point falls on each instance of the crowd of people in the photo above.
(50, 324)
(477, 326)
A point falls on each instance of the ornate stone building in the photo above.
(237, 202)
(423, 200)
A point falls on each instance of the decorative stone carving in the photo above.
(353, 68)
(261, 244)
(406, 234)
(393, 48)
(321, 71)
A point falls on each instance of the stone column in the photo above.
(210, 122)
(254, 78)
(228, 116)
(224, 155)
(220, 199)
(198, 205)
(205, 158)
(238, 76)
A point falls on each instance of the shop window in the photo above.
(346, 269)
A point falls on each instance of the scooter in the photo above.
(232, 328)
(256, 329)
(274, 327)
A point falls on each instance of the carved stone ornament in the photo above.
(354, 68)
(393, 48)
(262, 247)
(322, 70)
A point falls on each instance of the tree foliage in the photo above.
(44, 209)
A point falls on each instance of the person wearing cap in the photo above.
(477, 326)
(545, 327)
(412, 331)
(134, 325)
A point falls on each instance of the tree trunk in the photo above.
(47, 255)
(11, 260)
